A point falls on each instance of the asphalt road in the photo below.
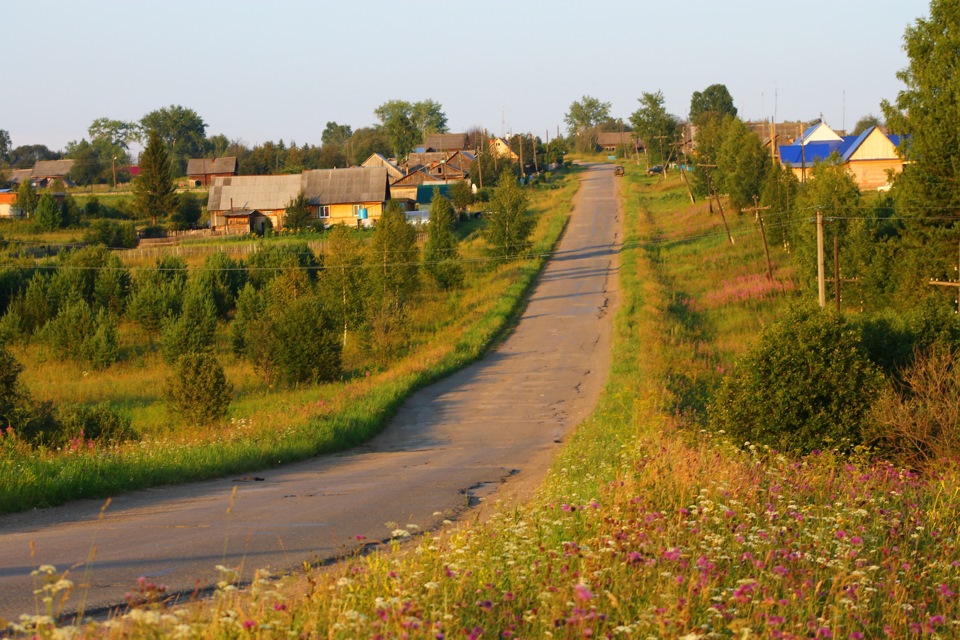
(488, 430)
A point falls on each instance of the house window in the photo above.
(325, 211)
(356, 211)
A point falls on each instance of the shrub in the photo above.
(194, 329)
(112, 234)
(197, 390)
(920, 425)
(100, 424)
(807, 384)
(79, 333)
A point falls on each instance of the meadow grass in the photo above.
(266, 426)
(646, 526)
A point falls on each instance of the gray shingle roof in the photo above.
(341, 186)
(207, 166)
(51, 168)
(266, 193)
(446, 141)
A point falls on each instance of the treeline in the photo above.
(285, 310)
(104, 155)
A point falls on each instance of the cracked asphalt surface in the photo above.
(487, 432)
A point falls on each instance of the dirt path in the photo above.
(490, 428)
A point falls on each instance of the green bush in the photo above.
(100, 424)
(807, 384)
(194, 329)
(198, 391)
(79, 333)
(111, 233)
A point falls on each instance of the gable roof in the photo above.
(819, 132)
(417, 175)
(799, 155)
(345, 186)
(51, 168)
(378, 160)
(19, 175)
(446, 141)
(206, 166)
(265, 193)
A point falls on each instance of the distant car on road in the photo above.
(655, 170)
(618, 171)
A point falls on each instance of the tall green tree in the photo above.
(343, 285)
(153, 190)
(657, 128)
(405, 124)
(714, 99)
(583, 118)
(741, 163)
(4, 146)
(393, 258)
(47, 216)
(297, 214)
(927, 112)
(182, 131)
(508, 224)
(441, 255)
(27, 198)
(336, 134)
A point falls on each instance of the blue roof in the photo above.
(806, 155)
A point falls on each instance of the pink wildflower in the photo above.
(583, 592)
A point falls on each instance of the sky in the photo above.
(259, 71)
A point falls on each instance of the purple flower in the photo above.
(583, 592)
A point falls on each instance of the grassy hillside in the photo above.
(648, 526)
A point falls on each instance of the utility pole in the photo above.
(821, 279)
(536, 165)
(711, 190)
(522, 168)
(948, 283)
(756, 209)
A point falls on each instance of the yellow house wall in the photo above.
(343, 213)
(871, 174)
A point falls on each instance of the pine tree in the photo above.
(153, 190)
(441, 258)
(27, 198)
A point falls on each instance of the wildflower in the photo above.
(583, 592)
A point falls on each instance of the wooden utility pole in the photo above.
(948, 283)
(836, 270)
(821, 279)
(536, 165)
(756, 209)
(522, 169)
(713, 192)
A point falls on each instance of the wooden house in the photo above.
(45, 172)
(501, 147)
(394, 172)
(406, 187)
(8, 207)
(354, 196)
(266, 195)
(868, 157)
(202, 171)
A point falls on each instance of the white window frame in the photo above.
(323, 211)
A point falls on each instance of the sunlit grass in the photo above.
(646, 527)
(265, 426)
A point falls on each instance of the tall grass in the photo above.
(267, 427)
(646, 526)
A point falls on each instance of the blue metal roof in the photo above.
(796, 155)
(855, 143)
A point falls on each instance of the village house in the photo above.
(7, 200)
(43, 173)
(501, 148)
(245, 204)
(869, 157)
(394, 172)
(202, 171)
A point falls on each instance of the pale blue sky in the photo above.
(282, 69)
